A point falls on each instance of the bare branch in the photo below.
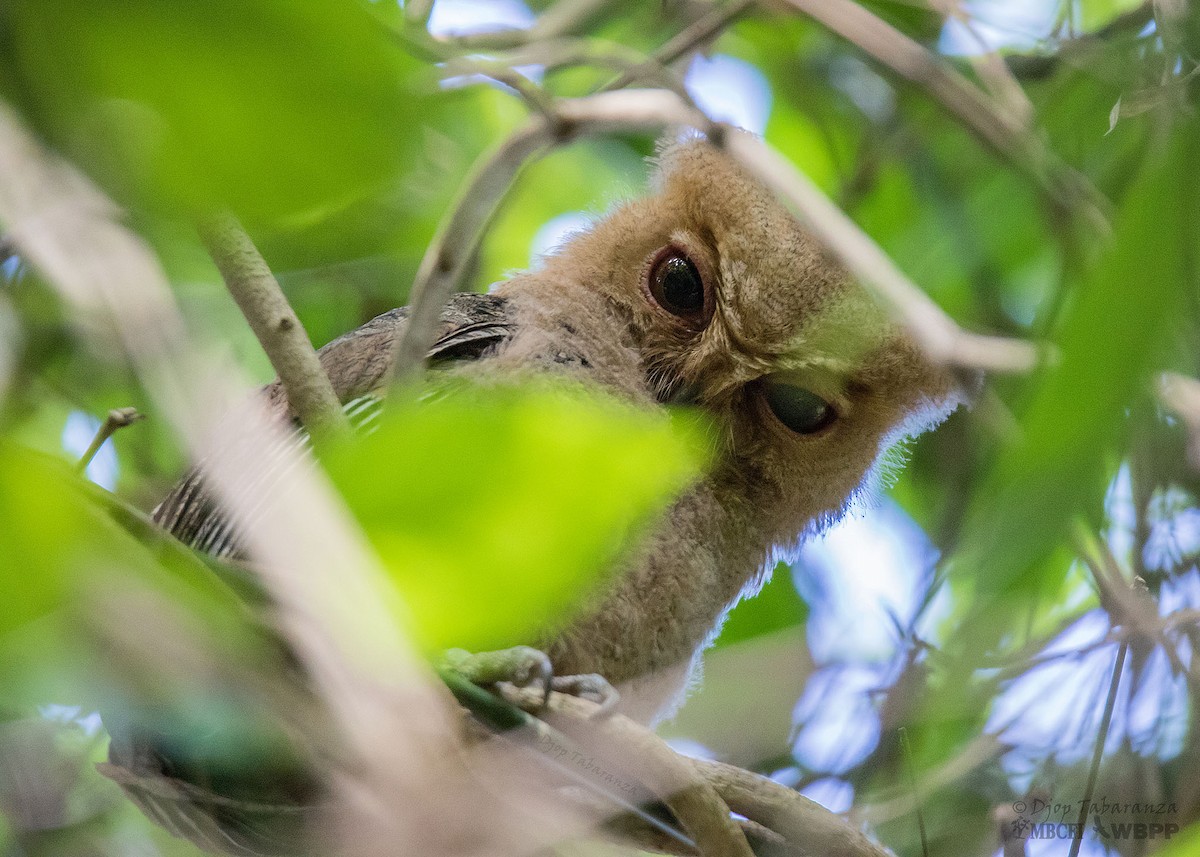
(670, 776)
(561, 19)
(687, 40)
(1068, 190)
(445, 261)
(1098, 752)
(117, 419)
(808, 828)
(276, 325)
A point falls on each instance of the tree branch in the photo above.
(1181, 395)
(275, 324)
(1067, 189)
(784, 821)
(638, 750)
(117, 419)
(699, 33)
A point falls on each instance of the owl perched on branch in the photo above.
(706, 292)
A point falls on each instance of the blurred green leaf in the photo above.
(272, 107)
(1094, 14)
(1113, 338)
(60, 548)
(777, 606)
(497, 510)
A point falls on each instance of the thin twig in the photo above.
(561, 19)
(1098, 753)
(275, 324)
(1067, 189)
(116, 419)
(556, 54)
(699, 33)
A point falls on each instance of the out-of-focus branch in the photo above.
(561, 19)
(1038, 66)
(117, 419)
(690, 38)
(1067, 189)
(444, 264)
(940, 337)
(276, 325)
(562, 53)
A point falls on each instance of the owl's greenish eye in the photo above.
(676, 285)
(801, 410)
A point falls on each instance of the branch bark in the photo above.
(275, 324)
(783, 821)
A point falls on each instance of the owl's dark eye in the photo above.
(801, 410)
(676, 285)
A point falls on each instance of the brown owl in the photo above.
(707, 291)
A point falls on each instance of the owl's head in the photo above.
(737, 309)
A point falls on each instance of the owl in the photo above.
(706, 292)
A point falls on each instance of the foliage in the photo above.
(328, 130)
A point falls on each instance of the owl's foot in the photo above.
(525, 666)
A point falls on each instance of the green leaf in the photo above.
(61, 549)
(273, 107)
(498, 510)
(1094, 14)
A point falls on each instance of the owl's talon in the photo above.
(590, 686)
(523, 666)
(527, 667)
